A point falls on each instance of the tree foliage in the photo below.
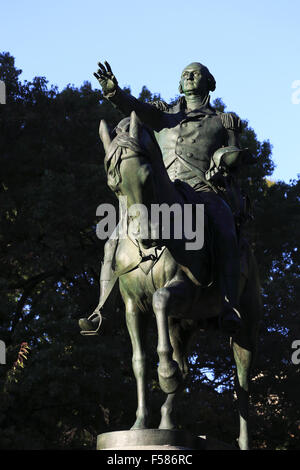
(59, 389)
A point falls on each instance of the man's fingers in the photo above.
(104, 73)
(108, 67)
(101, 67)
(100, 77)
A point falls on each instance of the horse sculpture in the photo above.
(161, 277)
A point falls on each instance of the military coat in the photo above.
(187, 139)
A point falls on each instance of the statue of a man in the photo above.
(189, 134)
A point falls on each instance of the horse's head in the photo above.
(128, 151)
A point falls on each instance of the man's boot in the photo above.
(230, 318)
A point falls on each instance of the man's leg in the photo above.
(105, 276)
(227, 257)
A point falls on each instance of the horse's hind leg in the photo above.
(137, 325)
(244, 348)
(243, 353)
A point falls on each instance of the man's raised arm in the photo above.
(125, 102)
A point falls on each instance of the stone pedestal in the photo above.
(157, 439)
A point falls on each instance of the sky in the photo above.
(252, 49)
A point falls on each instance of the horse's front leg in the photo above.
(180, 335)
(137, 325)
(167, 301)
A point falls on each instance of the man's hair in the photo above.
(210, 78)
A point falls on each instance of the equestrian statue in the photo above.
(179, 156)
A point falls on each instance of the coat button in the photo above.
(180, 139)
(179, 152)
(189, 154)
(193, 141)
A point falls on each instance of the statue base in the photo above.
(157, 439)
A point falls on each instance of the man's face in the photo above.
(193, 79)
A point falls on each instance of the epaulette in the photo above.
(162, 105)
(231, 121)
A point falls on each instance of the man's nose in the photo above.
(190, 76)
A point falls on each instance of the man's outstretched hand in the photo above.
(106, 78)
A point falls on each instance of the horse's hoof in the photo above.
(140, 423)
(166, 423)
(170, 378)
(243, 444)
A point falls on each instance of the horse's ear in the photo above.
(134, 126)
(104, 135)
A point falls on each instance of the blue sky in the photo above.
(252, 49)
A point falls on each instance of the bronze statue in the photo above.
(180, 154)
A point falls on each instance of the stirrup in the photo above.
(96, 313)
